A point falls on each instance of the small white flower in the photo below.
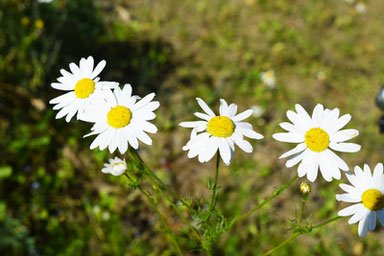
(258, 111)
(367, 191)
(316, 136)
(219, 132)
(120, 120)
(116, 167)
(361, 8)
(83, 85)
(269, 78)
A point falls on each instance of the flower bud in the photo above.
(305, 188)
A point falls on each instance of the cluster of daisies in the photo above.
(121, 119)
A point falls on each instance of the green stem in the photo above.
(275, 194)
(326, 222)
(162, 220)
(302, 211)
(159, 180)
(282, 244)
(214, 188)
(154, 183)
(293, 236)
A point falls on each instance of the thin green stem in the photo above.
(214, 188)
(275, 194)
(282, 244)
(302, 211)
(326, 222)
(162, 220)
(159, 180)
(293, 236)
(154, 183)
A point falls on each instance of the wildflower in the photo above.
(305, 188)
(83, 85)
(269, 78)
(367, 192)
(116, 166)
(219, 132)
(120, 121)
(316, 136)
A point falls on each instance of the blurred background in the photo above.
(54, 200)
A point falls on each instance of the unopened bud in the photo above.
(305, 188)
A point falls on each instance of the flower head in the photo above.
(219, 132)
(120, 121)
(116, 166)
(269, 78)
(316, 136)
(367, 192)
(305, 188)
(83, 86)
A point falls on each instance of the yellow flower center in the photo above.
(84, 88)
(373, 199)
(317, 139)
(119, 117)
(220, 126)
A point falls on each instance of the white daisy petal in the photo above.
(380, 216)
(289, 137)
(317, 115)
(205, 107)
(202, 116)
(225, 151)
(249, 133)
(192, 124)
(350, 210)
(223, 110)
(343, 135)
(299, 148)
(98, 69)
(363, 226)
(340, 123)
(361, 213)
(345, 147)
(371, 220)
(243, 115)
(295, 159)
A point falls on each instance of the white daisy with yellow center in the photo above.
(120, 121)
(367, 191)
(116, 166)
(219, 132)
(316, 136)
(83, 85)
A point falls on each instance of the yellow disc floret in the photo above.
(119, 117)
(317, 139)
(84, 88)
(220, 126)
(373, 199)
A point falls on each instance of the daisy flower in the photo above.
(120, 121)
(316, 136)
(269, 78)
(116, 166)
(83, 86)
(367, 192)
(219, 132)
